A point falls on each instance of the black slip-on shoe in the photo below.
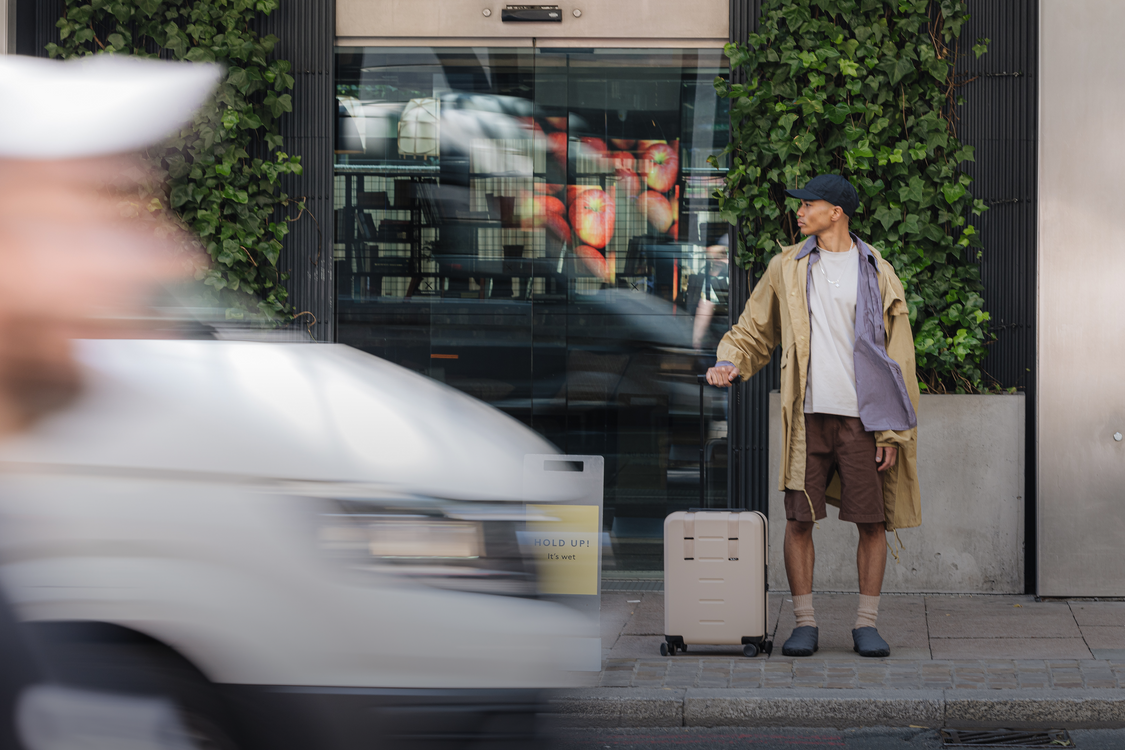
(803, 641)
(868, 642)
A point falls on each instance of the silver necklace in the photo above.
(836, 283)
(830, 281)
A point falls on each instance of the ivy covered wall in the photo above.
(224, 171)
(866, 88)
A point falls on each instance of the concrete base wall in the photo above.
(971, 472)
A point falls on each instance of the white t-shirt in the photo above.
(831, 383)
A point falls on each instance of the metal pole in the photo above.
(702, 442)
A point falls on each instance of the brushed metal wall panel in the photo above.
(433, 41)
(600, 19)
(6, 10)
(1081, 313)
(549, 43)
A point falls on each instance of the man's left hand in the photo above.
(885, 457)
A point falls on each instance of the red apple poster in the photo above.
(630, 174)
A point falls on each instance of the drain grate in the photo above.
(1005, 738)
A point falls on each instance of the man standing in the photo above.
(848, 396)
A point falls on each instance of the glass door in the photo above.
(536, 229)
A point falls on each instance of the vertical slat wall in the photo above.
(999, 117)
(748, 426)
(306, 30)
(35, 25)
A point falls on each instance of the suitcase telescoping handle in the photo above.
(735, 490)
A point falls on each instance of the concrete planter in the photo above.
(971, 472)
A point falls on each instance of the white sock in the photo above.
(868, 611)
(803, 609)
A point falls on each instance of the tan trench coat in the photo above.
(778, 314)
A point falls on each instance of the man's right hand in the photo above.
(722, 375)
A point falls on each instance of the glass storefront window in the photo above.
(535, 228)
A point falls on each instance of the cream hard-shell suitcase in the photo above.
(715, 580)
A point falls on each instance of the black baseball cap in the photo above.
(832, 188)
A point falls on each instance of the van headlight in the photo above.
(447, 544)
(411, 538)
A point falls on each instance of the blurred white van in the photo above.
(303, 545)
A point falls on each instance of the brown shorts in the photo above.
(838, 444)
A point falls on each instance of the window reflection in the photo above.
(533, 227)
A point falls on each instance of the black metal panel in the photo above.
(306, 31)
(743, 18)
(748, 423)
(35, 25)
(999, 117)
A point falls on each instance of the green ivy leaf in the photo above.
(180, 194)
(903, 67)
(235, 194)
(953, 192)
(912, 190)
(200, 54)
(887, 216)
(237, 77)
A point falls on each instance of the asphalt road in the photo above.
(874, 738)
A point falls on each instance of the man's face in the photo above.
(76, 259)
(814, 217)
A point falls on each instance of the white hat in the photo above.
(103, 104)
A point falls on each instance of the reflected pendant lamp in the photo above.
(418, 128)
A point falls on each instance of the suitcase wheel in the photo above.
(671, 643)
(767, 647)
(750, 650)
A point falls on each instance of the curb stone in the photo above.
(612, 707)
(841, 709)
(812, 708)
(1064, 709)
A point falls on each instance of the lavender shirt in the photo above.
(883, 401)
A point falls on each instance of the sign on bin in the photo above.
(564, 536)
(564, 526)
(565, 547)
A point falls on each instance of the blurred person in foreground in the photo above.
(848, 396)
(80, 254)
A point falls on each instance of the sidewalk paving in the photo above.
(981, 660)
